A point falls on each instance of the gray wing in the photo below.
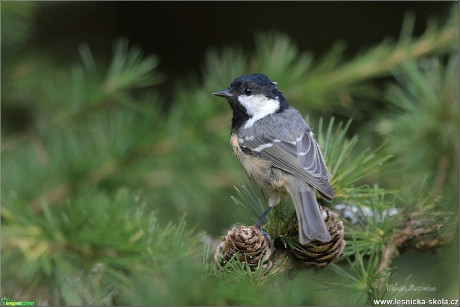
(300, 157)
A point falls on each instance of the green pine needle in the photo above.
(347, 166)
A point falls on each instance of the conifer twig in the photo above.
(417, 233)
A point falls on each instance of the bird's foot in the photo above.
(267, 237)
(262, 217)
(265, 234)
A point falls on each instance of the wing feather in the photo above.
(300, 157)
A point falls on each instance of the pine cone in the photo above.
(320, 253)
(247, 244)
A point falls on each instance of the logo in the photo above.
(6, 301)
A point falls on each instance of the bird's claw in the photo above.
(266, 235)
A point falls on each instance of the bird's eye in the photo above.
(248, 91)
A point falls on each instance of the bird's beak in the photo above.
(225, 94)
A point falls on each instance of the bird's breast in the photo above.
(259, 169)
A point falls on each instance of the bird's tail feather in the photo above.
(311, 224)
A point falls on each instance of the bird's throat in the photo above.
(240, 117)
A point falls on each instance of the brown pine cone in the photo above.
(247, 244)
(320, 253)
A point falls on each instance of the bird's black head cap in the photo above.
(257, 84)
(250, 85)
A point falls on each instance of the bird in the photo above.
(278, 151)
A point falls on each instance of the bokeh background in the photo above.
(180, 33)
(103, 96)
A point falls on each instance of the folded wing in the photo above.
(300, 157)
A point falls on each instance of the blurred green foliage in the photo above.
(97, 176)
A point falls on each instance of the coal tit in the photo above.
(277, 149)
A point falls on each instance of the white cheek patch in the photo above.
(258, 106)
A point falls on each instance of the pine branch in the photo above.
(424, 225)
(417, 225)
(331, 81)
(71, 99)
(16, 26)
(233, 59)
(381, 60)
(346, 166)
(90, 235)
(98, 249)
(425, 116)
(357, 284)
(417, 233)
